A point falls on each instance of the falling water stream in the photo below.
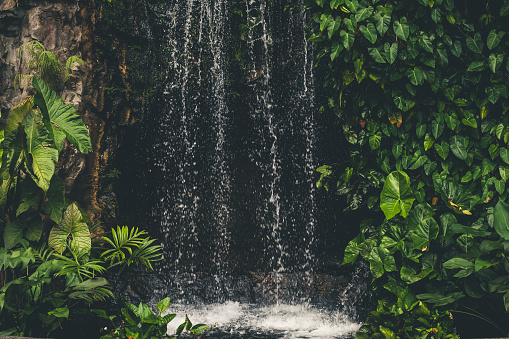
(225, 175)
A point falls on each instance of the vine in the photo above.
(420, 91)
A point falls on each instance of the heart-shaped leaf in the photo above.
(397, 196)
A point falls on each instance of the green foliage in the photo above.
(428, 89)
(401, 315)
(44, 288)
(37, 60)
(141, 322)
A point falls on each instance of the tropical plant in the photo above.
(420, 95)
(140, 323)
(35, 59)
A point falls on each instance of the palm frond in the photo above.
(43, 253)
(29, 53)
(91, 295)
(129, 246)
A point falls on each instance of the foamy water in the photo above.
(277, 321)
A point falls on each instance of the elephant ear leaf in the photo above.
(43, 157)
(397, 196)
(73, 226)
(56, 112)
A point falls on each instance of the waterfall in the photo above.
(226, 168)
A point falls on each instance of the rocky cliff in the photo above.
(101, 34)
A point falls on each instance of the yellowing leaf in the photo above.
(484, 112)
(396, 118)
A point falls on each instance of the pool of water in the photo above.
(238, 320)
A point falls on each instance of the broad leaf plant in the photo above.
(420, 91)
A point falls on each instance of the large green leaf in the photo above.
(442, 149)
(163, 305)
(382, 23)
(72, 225)
(43, 157)
(369, 32)
(363, 13)
(501, 219)
(494, 38)
(495, 61)
(415, 76)
(397, 196)
(17, 115)
(64, 116)
(13, 152)
(13, 233)
(391, 52)
(401, 28)
(376, 55)
(475, 44)
(458, 146)
(55, 199)
(423, 227)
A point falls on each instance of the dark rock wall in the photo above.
(100, 91)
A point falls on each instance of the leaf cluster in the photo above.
(419, 89)
(140, 322)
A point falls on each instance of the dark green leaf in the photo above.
(475, 44)
(442, 149)
(494, 38)
(375, 54)
(501, 219)
(369, 32)
(458, 146)
(397, 196)
(382, 23)
(401, 28)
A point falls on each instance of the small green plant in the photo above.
(37, 60)
(141, 323)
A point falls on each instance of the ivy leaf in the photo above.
(391, 52)
(437, 128)
(501, 219)
(458, 146)
(335, 50)
(442, 149)
(415, 76)
(426, 43)
(333, 25)
(43, 157)
(374, 140)
(72, 225)
(363, 13)
(369, 32)
(436, 15)
(397, 196)
(56, 112)
(456, 49)
(475, 44)
(495, 61)
(504, 10)
(375, 54)
(347, 39)
(419, 162)
(423, 227)
(492, 94)
(494, 38)
(477, 66)
(397, 149)
(504, 154)
(428, 142)
(401, 28)
(382, 23)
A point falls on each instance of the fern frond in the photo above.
(29, 53)
(71, 62)
(49, 66)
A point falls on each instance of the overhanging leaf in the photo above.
(43, 157)
(56, 112)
